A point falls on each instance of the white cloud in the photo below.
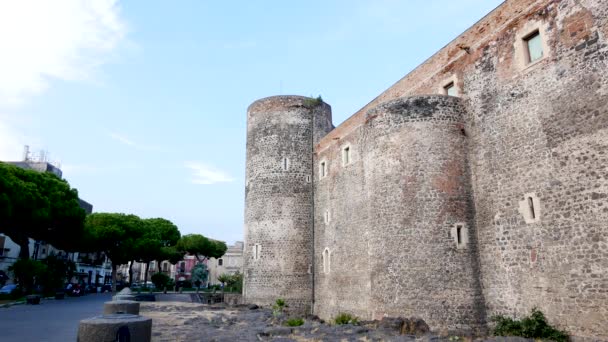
(127, 141)
(205, 174)
(62, 39)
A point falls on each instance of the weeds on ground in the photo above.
(345, 318)
(533, 326)
(294, 322)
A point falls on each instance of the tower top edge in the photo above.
(284, 101)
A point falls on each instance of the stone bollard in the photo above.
(124, 294)
(116, 327)
(121, 307)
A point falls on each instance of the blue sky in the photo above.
(143, 102)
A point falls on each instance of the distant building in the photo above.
(230, 263)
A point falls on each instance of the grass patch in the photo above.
(533, 326)
(345, 318)
(294, 322)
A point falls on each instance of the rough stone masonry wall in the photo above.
(539, 130)
(418, 186)
(543, 130)
(342, 195)
(278, 199)
(393, 213)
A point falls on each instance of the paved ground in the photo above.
(52, 320)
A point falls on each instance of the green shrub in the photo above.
(345, 318)
(533, 326)
(160, 280)
(312, 102)
(294, 322)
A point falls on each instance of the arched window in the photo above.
(326, 261)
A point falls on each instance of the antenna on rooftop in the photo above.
(26, 153)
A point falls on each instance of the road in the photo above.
(51, 321)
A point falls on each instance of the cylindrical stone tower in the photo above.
(281, 133)
(423, 247)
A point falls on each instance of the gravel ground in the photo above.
(179, 321)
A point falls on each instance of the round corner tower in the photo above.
(281, 133)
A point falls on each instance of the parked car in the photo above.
(7, 289)
(136, 286)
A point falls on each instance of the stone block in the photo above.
(121, 307)
(108, 327)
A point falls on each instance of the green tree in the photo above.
(41, 206)
(58, 270)
(159, 233)
(116, 235)
(200, 246)
(199, 275)
(27, 273)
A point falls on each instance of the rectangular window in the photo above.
(450, 89)
(534, 46)
(326, 217)
(220, 262)
(285, 164)
(459, 235)
(323, 169)
(308, 179)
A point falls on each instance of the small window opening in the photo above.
(326, 218)
(256, 251)
(459, 234)
(346, 155)
(450, 89)
(531, 206)
(326, 261)
(220, 262)
(323, 169)
(285, 164)
(308, 179)
(534, 46)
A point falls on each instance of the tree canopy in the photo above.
(116, 235)
(41, 206)
(198, 245)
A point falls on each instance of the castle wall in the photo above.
(278, 199)
(538, 134)
(394, 211)
(419, 193)
(343, 196)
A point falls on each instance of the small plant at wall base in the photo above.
(533, 326)
(294, 322)
(278, 307)
(345, 318)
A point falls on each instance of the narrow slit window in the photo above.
(323, 169)
(308, 179)
(459, 235)
(346, 155)
(326, 261)
(534, 46)
(285, 164)
(450, 89)
(256, 251)
(326, 217)
(531, 206)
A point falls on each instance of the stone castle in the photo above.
(476, 185)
